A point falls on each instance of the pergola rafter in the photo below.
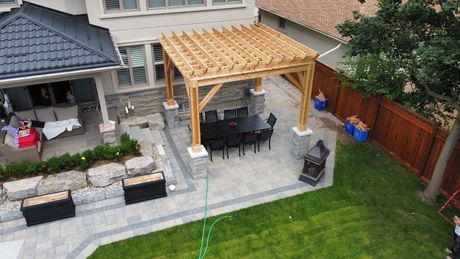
(218, 57)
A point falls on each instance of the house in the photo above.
(314, 22)
(103, 52)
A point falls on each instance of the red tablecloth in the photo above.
(29, 141)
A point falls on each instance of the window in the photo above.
(173, 3)
(159, 64)
(135, 74)
(7, 2)
(225, 1)
(281, 23)
(120, 5)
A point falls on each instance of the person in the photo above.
(44, 97)
(455, 252)
(70, 97)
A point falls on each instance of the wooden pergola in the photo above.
(234, 54)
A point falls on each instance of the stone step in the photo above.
(124, 129)
(135, 133)
(147, 135)
(157, 139)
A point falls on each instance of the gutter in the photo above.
(57, 75)
(331, 50)
(306, 26)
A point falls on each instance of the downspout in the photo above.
(331, 50)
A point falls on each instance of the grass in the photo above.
(372, 211)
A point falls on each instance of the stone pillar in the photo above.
(256, 102)
(101, 98)
(198, 162)
(300, 142)
(108, 133)
(171, 114)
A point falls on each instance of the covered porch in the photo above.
(246, 53)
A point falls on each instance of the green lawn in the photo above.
(372, 211)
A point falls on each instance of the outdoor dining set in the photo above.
(236, 130)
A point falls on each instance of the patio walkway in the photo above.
(234, 183)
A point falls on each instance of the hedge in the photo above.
(68, 162)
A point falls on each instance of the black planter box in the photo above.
(142, 188)
(48, 207)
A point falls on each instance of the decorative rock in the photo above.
(84, 198)
(106, 174)
(21, 189)
(155, 121)
(10, 215)
(113, 191)
(140, 165)
(2, 195)
(71, 180)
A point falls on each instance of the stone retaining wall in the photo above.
(151, 100)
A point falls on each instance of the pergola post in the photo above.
(171, 107)
(302, 134)
(197, 152)
(257, 98)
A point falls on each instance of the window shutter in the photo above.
(157, 53)
(176, 2)
(111, 5)
(123, 77)
(156, 3)
(129, 4)
(137, 64)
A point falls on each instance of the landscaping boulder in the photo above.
(71, 180)
(156, 121)
(2, 195)
(21, 189)
(106, 174)
(140, 165)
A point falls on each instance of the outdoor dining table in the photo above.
(221, 128)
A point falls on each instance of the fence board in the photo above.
(413, 140)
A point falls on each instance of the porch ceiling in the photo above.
(212, 57)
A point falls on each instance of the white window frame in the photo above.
(161, 62)
(186, 4)
(130, 68)
(122, 8)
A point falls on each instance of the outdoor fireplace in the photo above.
(315, 163)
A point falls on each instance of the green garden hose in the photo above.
(203, 252)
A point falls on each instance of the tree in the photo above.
(416, 43)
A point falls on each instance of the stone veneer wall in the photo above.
(231, 95)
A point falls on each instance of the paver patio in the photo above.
(234, 183)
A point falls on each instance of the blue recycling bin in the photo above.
(349, 128)
(321, 105)
(360, 135)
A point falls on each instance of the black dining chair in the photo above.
(211, 116)
(229, 114)
(242, 112)
(271, 120)
(234, 141)
(216, 144)
(250, 139)
(264, 136)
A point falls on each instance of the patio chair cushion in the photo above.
(9, 141)
(27, 113)
(14, 122)
(65, 113)
(45, 114)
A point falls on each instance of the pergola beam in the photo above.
(294, 81)
(209, 96)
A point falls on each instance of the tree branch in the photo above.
(447, 99)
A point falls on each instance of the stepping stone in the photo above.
(157, 139)
(147, 135)
(136, 133)
(11, 249)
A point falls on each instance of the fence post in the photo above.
(377, 112)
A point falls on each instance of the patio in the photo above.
(233, 184)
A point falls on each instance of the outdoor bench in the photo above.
(145, 187)
(48, 207)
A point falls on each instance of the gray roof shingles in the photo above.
(35, 40)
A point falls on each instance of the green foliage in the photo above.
(68, 162)
(407, 42)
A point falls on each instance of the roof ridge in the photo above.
(63, 34)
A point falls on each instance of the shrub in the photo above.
(67, 162)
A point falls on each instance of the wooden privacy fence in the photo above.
(413, 140)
